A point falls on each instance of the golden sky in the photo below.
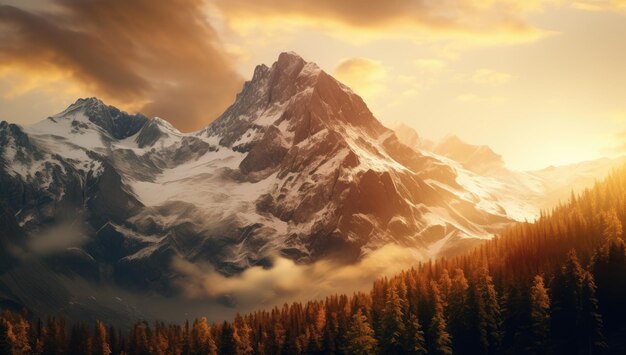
(541, 82)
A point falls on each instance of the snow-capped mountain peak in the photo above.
(263, 102)
(165, 124)
(155, 130)
(115, 122)
(296, 166)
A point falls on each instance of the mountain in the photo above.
(411, 138)
(558, 181)
(477, 158)
(522, 193)
(296, 167)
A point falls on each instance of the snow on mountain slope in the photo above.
(292, 161)
(298, 166)
(493, 186)
(560, 181)
(494, 194)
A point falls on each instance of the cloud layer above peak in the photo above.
(162, 60)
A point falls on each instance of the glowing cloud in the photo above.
(485, 19)
(286, 280)
(601, 5)
(365, 76)
(164, 60)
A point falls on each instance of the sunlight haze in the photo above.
(540, 82)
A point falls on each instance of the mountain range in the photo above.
(296, 167)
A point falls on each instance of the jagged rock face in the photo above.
(34, 183)
(297, 166)
(340, 177)
(118, 124)
(42, 185)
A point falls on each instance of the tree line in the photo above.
(556, 286)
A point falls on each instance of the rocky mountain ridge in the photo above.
(297, 167)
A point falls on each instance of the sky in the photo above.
(541, 82)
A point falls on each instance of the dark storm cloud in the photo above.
(164, 60)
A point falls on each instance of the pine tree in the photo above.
(608, 267)
(360, 336)
(227, 341)
(123, 343)
(487, 316)
(37, 336)
(591, 334)
(393, 325)
(566, 305)
(445, 287)
(416, 344)
(331, 333)
(54, 342)
(5, 336)
(114, 341)
(186, 347)
(439, 340)
(378, 296)
(516, 319)
(241, 336)
(160, 342)
(457, 312)
(539, 317)
(317, 331)
(100, 340)
(612, 225)
(401, 290)
(202, 342)
(139, 339)
(17, 333)
(80, 340)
